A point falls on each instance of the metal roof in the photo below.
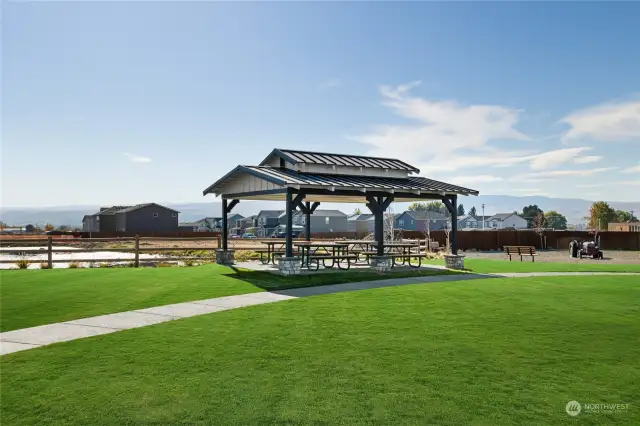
(296, 156)
(287, 177)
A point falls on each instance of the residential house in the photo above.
(102, 221)
(267, 221)
(625, 226)
(418, 220)
(505, 220)
(361, 223)
(149, 217)
(245, 223)
(469, 222)
(323, 221)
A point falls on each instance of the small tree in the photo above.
(600, 215)
(447, 231)
(472, 211)
(460, 210)
(538, 225)
(48, 227)
(388, 222)
(555, 220)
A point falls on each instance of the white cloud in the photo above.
(590, 185)
(634, 169)
(449, 136)
(465, 180)
(628, 182)
(610, 122)
(330, 84)
(587, 159)
(136, 158)
(550, 175)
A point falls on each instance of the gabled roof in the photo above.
(423, 215)
(286, 177)
(362, 216)
(502, 216)
(141, 206)
(110, 210)
(270, 213)
(309, 157)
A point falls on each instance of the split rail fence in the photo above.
(52, 245)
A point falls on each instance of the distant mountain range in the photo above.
(574, 209)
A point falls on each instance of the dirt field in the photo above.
(610, 256)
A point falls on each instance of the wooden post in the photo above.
(50, 252)
(225, 229)
(308, 222)
(289, 226)
(136, 262)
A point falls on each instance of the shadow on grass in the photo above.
(270, 282)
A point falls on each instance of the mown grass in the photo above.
(31, 298)
(486, 352)
(500, 265)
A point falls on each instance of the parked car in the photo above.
(234, 236)
(248, 235)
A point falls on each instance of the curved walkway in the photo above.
(34, 337)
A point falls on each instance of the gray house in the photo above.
(361, 223)
(267, 222)
(102, 221)
(321, 220)
(413, 220)
(149, 217)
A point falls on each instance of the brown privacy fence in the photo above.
(495, 240)
(177, 234)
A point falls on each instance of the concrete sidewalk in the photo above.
(29, 338)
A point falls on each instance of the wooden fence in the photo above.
(51, 246)
(495, 240)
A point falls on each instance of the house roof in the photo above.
(422, 215)
(297, 156)
(502, 216)
(362, 216)
(466, 217)
(270, 213)
(141, 206)
(110, 210)
(287, 177)
(192, 224)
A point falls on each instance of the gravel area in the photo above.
(610, 256)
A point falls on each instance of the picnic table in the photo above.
(274, 246)
(311, 248)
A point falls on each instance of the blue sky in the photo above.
(130, 102)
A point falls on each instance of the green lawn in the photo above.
(31, 298)
(499, 265)
(486, 352)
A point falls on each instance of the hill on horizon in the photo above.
(574, 209)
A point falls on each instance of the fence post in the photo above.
(136, 262)
(50, 252)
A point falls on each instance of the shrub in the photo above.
(22, 263)
(44, 265)
(130, 265)
(104, 265)
(189, 262)
(244, 255)
(164, 265)
(74, 265)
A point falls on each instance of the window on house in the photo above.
(326, 220)
(401, 222)
(155, 215)
(174, 214)
(97, 218)
(412, 221)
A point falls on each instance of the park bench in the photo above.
(339, 258)
(273, 253)
(520, 251)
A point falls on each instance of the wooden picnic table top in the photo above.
(319, 244)
(357, 241)
(400, 245)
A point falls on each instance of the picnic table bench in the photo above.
(405, 257)
(520, 251)
(315, 259)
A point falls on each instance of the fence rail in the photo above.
(51, 249)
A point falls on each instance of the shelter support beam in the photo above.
(378, 205)
(226, 209)
(288, 237)
(307, 223)
(451, 202)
